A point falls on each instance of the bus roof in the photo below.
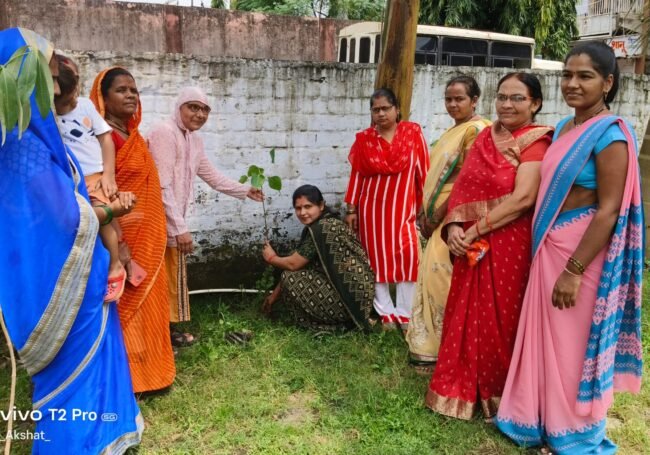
(375, 27)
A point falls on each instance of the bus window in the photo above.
(463, 51)
(460, 60)
(353, 51)
(377, 47)
(364, 50)
(343, 50)
(426, 49)
(502, 62)
(519, 55)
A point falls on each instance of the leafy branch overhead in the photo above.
(26, 71)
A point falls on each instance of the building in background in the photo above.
(619, 24)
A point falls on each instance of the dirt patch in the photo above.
(299, 410)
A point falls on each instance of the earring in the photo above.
(605, 95)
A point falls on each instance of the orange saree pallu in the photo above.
(484, 302)
(143, 310)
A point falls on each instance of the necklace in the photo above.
(121, 128)
(576, 124)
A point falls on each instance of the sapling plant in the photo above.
(258, 178)
(27, 71)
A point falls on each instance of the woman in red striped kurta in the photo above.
(389, 161)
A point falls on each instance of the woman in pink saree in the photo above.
(578, 339)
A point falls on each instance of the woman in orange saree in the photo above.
(143, 309)
(491, 201)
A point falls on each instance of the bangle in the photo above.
(476, 225)
(350, 212)
(577, 264)
(570, 272)
(487, 222)
(109, 215)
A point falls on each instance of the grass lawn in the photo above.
(291, 392)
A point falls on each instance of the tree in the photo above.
(551, 22)
(368, 10)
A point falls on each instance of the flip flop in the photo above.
(115, 287)
(241, 337)
(182, 339)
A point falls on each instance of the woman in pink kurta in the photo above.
(180, 157)
(390, 161)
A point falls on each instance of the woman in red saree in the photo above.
(491, 201)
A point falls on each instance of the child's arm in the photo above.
(109, 187)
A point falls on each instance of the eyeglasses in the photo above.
(198, 107)
(378, 109)
(514, 99)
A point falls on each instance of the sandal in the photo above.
(182, 339)
(241, 337)
(115, 287)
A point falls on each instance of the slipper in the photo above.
(182, 339)
(115, 287)
(241, 337)
(137, 273)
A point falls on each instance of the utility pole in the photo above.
(396, 65)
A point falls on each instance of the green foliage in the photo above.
(368, 10)
(219, 4)
(551, 22)
(25, 71)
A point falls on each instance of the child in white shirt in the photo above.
(88, 136)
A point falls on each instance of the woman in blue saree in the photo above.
(579, 334)
(52, 282)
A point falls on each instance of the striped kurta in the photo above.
(387, 204)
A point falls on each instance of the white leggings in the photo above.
(384, 303)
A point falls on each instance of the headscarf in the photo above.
(187, 95)
(44, 209)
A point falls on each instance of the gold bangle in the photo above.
(477, 231)
(577, 264)
(571, 273)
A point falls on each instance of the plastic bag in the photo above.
(476, 251)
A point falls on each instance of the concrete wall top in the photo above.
(101, 25)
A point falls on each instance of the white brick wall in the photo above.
(309, 112)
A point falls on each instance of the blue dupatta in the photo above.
(53, 274)
(613, 359)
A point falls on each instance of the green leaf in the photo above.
(275, 183)
(44, 86)
(243, 179)
(27, 77)
(254, 170)
(15, 61)
(257, 181)
(272, 153)
(23, 122)
(8, 102)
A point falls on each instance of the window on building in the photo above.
(353, 50)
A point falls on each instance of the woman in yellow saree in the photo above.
(434, 275)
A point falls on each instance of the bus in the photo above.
(446, 46)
